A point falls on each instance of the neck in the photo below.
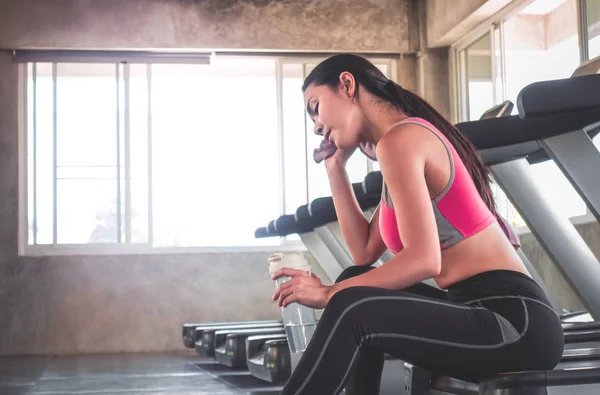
(380, 119)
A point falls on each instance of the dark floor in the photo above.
(131, 374)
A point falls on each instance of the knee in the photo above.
(343, 300)
(353, 271)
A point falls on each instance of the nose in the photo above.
(318, 129)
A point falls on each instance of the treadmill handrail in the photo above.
(573, 94)
(512, 130)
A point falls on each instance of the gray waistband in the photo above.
(511, 297)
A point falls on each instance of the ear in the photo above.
(348, 84)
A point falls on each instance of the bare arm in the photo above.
(402, 155)
(363, 237)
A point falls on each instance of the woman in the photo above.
(438, 217)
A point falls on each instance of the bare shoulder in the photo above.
(408, 140)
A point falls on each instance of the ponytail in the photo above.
(373, 80)
(414, 106)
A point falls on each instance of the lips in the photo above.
(327, 136)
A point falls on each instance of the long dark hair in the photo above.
(368, 75)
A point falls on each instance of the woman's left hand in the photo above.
(304, 288)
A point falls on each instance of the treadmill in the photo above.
(547, 110)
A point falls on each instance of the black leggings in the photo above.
(494, 322)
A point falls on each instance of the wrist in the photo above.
(332, 290)
(334, 164)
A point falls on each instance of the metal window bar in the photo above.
(54, 154)
(34, 153)
(306, 175)
(493, 60)
(280, 139)
(280, 134)
(582, 27)
(127, 149)
(107, 56)
(150, 199)
(118, 136)
(464, 87)
(503, 60)
(23, 158)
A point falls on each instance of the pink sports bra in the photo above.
(459, 210)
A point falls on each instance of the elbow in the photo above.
(432, 266)
(433, 269)
(428, 264)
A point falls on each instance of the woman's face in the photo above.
(336, 113)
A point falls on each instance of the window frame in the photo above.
(457, 96)
(124, 247)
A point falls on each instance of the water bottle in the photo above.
(299, 321)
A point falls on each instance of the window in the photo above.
(357, 166)
(169, 155)
(541, 43)
(592, 10)
(306, 180)
(479, 84)
(482, 87)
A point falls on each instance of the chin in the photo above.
(348, 145)
(343, 145)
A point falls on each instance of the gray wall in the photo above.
(444, 15)
(557, 285)
(126, 303)
(309, 25)
(448, 21)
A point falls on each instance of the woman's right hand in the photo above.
(339, 158)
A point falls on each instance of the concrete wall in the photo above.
(444, 15)
(559, 287)
(302, 25)
(97, 304)
(437, 79)
(541, 32)
(448, 21)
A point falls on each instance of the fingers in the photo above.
(292, 298)
(284, 295)
(288, 272)
(283, 287)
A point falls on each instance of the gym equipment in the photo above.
(189, 329)
(205, 345)
(230, 345)
(268, 357)
(544, 123)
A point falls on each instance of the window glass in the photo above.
(214, 152)
(592, 9)
(541, 43)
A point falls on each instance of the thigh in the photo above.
(438, 335)
(441, 336)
